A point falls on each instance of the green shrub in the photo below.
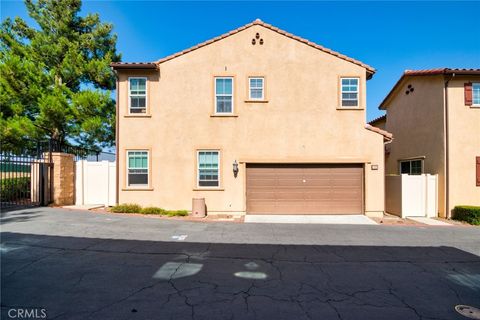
(179, 213)
(135, 208)
(12, 189)
(127, 208)
(470, 214)
(153, 210)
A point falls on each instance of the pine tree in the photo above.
(55, 78)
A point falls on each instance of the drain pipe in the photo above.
(117, 115)
(446, 144)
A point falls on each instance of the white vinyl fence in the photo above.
(95, 183)
(412, 195)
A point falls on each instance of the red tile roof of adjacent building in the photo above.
(387, 135)
(428, 72)
(370, 70)
(371, 122)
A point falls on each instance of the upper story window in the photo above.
(223, 95)
(137, 95)
(137, 168)
(476, 94)
(256, 88)
(349, 92)
(411, 166)
(208, 168)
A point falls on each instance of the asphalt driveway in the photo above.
(83, 265)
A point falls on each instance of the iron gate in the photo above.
(25, 179)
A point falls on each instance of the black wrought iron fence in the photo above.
(26, 173)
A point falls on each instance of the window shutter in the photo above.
(468, 93)
(478, 171)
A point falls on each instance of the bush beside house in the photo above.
(470, 214)
(14, 188)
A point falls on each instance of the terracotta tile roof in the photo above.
(371, 122)
(133, 65)
(387, 135)
(370, 70)
(428, 72)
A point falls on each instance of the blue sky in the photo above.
(390, 36)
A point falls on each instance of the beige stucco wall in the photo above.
(464, 145)
(299, 123)
(416, 121)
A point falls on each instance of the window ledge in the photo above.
(350, 108)
(475, 106)
(137, 116)
(218, 115)
(137, 189)
(208, 189)
(256, 101)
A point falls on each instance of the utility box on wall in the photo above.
(411, 195)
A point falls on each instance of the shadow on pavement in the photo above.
(91, 278)
(9, 215)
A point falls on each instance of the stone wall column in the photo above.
(63, 178)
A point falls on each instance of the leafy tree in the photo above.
(55, 78)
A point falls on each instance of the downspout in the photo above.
(117, 162)
(446, 143)
(385, 174)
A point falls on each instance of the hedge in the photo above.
(470, 214)
(135, 208)
(14, 188)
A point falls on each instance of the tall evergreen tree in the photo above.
(55, 77)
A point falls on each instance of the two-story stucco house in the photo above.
(435, 118)
(256, 121)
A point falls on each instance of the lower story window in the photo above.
(137, 167)
(411, 167)
(208, 168)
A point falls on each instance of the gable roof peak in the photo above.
(369, 70)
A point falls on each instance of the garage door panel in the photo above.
(261, 183)
(289, 182)
(304, 189)
(259, 195)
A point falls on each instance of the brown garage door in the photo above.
(304, 189)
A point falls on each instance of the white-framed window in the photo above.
(137, 168)
(476, 94)
(208, 170)
(137, 95)
(223, 94)
(411, 166)
(256, 88)
(349, 92)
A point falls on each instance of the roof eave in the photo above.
(134, 66)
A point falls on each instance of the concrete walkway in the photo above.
(429, 221)
(310, 219)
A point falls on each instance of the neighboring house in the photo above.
(435, 118)
(287, 113)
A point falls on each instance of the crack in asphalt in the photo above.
(322, 292)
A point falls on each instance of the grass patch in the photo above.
(470, 214)
(135, 208)
(127, 208)
(176, 213)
